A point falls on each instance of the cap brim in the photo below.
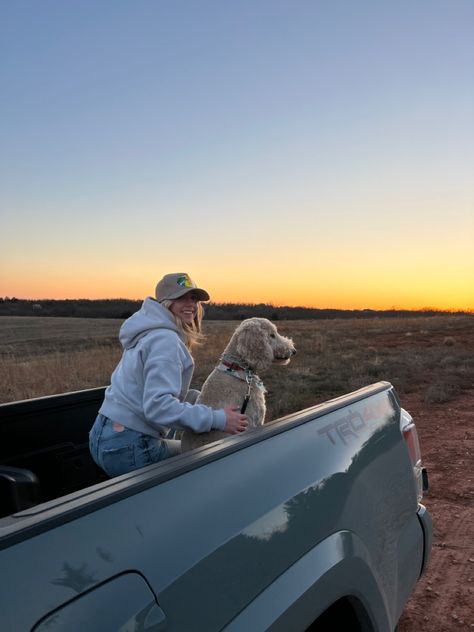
(202, 295)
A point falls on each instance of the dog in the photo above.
(254, 346)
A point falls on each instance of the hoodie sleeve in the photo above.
(163, 370)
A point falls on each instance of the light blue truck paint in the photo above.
(264, 531)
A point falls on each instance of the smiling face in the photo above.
(186, 307)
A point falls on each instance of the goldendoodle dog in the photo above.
(255, 345)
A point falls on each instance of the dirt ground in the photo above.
(444, 598)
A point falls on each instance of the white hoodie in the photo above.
(150, 383)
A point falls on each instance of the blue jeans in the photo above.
(119, 452)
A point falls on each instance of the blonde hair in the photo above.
(192, 333)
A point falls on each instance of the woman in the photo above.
(149, 391)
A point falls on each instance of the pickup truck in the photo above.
(311, 522)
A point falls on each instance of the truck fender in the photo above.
(338, 566)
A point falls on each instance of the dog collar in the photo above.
(234, 366)
(241, 373)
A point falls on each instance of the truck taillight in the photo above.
(410, 435)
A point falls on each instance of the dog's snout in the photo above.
(293, 351)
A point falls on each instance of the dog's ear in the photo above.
(242, 341)
(252, 346)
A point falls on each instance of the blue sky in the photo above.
(287, 152)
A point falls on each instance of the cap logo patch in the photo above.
(185, 281)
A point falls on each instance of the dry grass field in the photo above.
(430, 361)
(43, 356)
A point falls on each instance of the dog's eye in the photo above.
(272, 335)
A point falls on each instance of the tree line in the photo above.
(123, 308)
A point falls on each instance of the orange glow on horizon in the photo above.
(290, 299)
(362, 288)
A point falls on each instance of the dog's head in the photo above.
(257, 342)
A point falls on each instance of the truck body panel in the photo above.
(259, 531)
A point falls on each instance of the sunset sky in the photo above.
(297, 152)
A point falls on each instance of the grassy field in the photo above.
(431, 355)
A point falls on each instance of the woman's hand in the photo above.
(235, 422)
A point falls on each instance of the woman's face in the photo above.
(185, 307)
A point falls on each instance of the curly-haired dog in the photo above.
(254, 347)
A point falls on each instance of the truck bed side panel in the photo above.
(222, 526)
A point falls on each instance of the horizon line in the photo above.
(451, 310)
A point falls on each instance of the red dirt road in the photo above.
(443, 600)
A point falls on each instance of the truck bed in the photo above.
(259, 531)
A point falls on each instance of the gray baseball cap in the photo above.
(178, 284)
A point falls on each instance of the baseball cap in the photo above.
(178, 284)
